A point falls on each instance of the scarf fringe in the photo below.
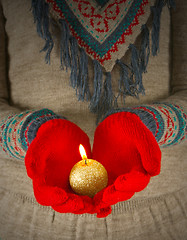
(65, 59)
(145, 48)
(82, 87)
(105, 101)
(74, 62)
(74, 58)
(98, 84)
(156, 11)
(40, 10)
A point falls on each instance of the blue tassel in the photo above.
(98, 77)
(125, 84)
(107, 98)
(171, 4)
(74, 62)
(37, 11)
(82, 84)
(106, 101)
(108, 93)
(136, 69)
(40, 11)
(156, 11)
(64, 45)
(145, 48)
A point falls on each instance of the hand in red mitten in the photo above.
(125, 142)
(130, 154)
(122, 143)
(49, 160)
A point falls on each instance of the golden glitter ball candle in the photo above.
(88, 176)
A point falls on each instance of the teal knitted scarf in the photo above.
(103, 31)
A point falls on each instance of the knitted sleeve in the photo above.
(18, 131)
(167, 122)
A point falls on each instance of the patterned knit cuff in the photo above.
(167, 122)
(18, 131)
(32, 124)
(171, 122)
(145, 117)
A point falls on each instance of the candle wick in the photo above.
(85, 158)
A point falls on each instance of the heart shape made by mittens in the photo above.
(106, 32)
(122, 144)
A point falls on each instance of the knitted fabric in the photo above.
(18, 131)
(49, 143)
(104, 32)
(120, 144)
(171, 121)
(167, 122)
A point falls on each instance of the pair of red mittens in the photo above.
(122, 144)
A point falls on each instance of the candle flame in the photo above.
(82, 152)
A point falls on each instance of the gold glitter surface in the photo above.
(88, 179)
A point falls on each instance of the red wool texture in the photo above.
(122, 143)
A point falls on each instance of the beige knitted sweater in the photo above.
(26, 82)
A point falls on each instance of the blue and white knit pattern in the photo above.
(171, 121)
(167, 122)
(18, 131)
